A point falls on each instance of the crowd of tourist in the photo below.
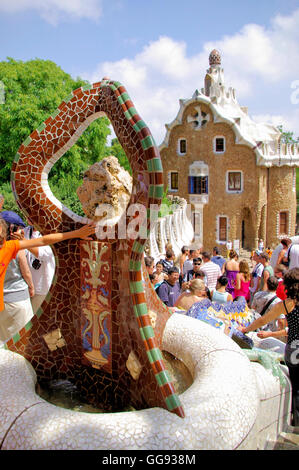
(272, 292)
(225, 279)
(196, 275)
(27, 267)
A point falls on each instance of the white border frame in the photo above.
(179, 145)
(214, 144)
(233, 191)
(170, 189)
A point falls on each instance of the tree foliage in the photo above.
(287, 137)
(32, 92)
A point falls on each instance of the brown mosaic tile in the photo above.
(94, 313)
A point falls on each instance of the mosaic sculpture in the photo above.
(227, 318)
(98, 304)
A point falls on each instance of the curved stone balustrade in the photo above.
(175, 229)
(232, 403)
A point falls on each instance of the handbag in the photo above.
(267, 305)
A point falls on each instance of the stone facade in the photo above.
(234, 172)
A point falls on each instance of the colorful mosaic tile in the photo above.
(67, 308)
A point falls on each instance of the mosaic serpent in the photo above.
(73, 297)
(227, 318)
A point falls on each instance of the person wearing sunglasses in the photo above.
(191, 274)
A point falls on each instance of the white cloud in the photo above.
(255, 60)
(271, 54)
(288, 121)
(54, 10)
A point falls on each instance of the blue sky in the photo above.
(159, 49)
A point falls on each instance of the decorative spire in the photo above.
(215, 58)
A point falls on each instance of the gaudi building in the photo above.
(238, 177)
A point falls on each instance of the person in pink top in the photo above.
(242, 281)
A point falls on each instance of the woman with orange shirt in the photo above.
(10, 248)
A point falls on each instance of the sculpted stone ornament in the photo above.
(105, 183)
(99, 298)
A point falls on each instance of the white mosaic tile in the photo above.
(227, 406)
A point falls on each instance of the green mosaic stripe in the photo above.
(41, 127)
(112, 87)
(123, 98)
(136, 287)
(86, 87)
(172, 402)
(154, 165)
(163, 378)
(130, 113)
(27, 141)
(138, 126)
(153, 212)
(140, 310)
(154, 355)
(56, 112)
(147, 332)
(16, 337)
(39, 312)
(28, 326)
(134, 265)
(148, 142)
(17, 156)
(138, 247)
(156, 191)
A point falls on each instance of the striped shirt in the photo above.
(212, 272)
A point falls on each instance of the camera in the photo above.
(36, 264)
(12, 228)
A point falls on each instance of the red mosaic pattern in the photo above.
(115, 388)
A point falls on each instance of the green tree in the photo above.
(33, 91)
(287, 137)
(117, 150)
(9, 199)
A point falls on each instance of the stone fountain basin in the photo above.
(226, 407)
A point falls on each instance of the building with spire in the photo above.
(237, 175)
